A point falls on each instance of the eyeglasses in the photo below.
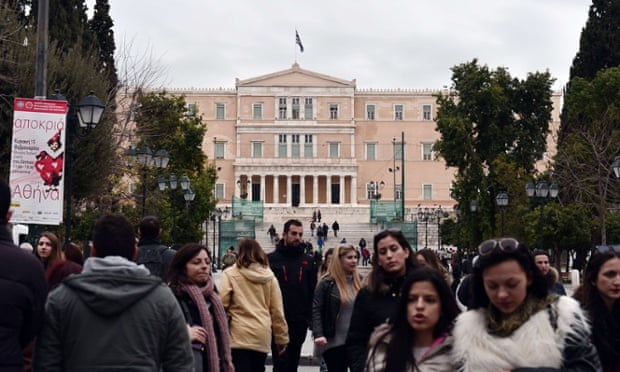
(504, 244)
(607, 248)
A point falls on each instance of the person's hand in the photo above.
(281, 349)
(320, 341)
(197, 333)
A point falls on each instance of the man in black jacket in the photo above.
(296, 274)
(23, 290)
(151, 253)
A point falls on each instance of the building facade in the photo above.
(300, 140)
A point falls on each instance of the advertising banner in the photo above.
(37, 161)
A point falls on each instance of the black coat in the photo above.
(23, 291)
(296, 274)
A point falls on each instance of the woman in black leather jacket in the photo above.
(376, 302)
(333, 304)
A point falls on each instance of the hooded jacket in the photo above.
(23, 290)
(296, 274)
(113, 316)
(252, 299)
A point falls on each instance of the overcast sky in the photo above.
(382, 44)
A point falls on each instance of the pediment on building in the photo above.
(295, 77)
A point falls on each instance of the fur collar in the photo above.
(539, 342)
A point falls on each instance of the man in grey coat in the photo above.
(114, 315)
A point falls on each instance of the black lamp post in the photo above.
(172, 182)
(80, 122)
(216, 217)
(243, 188)
(424, 215)
(439, 214)
(457, 213)
(374, 188)
(501, 200)
(393, 170)
(541, 193)
(145, 158)
(473, 206)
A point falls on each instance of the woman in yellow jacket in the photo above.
(253, 302)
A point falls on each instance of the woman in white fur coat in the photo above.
(513, 324)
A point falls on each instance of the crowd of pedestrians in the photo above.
(110, 312)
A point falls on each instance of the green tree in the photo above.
(101, 26)
(490, 115)
(161, 123)
(584, 158)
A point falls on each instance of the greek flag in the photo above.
(298, 41)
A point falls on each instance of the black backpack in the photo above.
(152, 259)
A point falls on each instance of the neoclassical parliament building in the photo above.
(299, 140)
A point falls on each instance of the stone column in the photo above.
(276, 189)
(342, 201)
(315, 189)
(328, 189)
(302, 190)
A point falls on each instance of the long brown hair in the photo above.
(55, 253)
(251, 252)
(177, 273)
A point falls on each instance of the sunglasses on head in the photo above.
(504, 244)
(607, 248)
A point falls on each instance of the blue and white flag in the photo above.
(298, 42)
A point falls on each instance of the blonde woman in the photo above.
(251, 296)
(333, 305)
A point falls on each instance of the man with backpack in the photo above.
(151, 253)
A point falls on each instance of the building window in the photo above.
(220, 111)
(308, 150)
(281, 145)
(333, 111)
(220, 150)
(219, 191)
(296, 108)
(371, 151)
(334, 150)
(257, 149)
(192, 110)
(257, 111)
(426, 112)
(427, 151)
(370, 112)
(295, 146)
(398, 151)
(398, 112)
(282, 108)
(308, 109)
(428, 192)
(398, 189)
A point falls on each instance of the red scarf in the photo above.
(215, 348)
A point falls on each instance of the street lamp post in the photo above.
(457, 213)
(374, 188)
(216, 217)
(541, 193)
(243, 188)
(473, 206)
(439, 214)
(393, 170)
(424, 215)
(80, 123)
(145, 158)
(172, 182)
(501, 200)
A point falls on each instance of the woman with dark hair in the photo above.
(430, 258)
(514, 324)
(253, 302)
(48, 249)
(419, 338)
(189, 277)
(375, 303)
(333, 304)
(599, 296)
(327, 259)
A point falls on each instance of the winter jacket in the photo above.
(554, 339)
(369, 311)
(253, 301)
(296, 274)
(113, 316)
(435, 359)
(23, 290)
(155, 256)
(325, 308)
